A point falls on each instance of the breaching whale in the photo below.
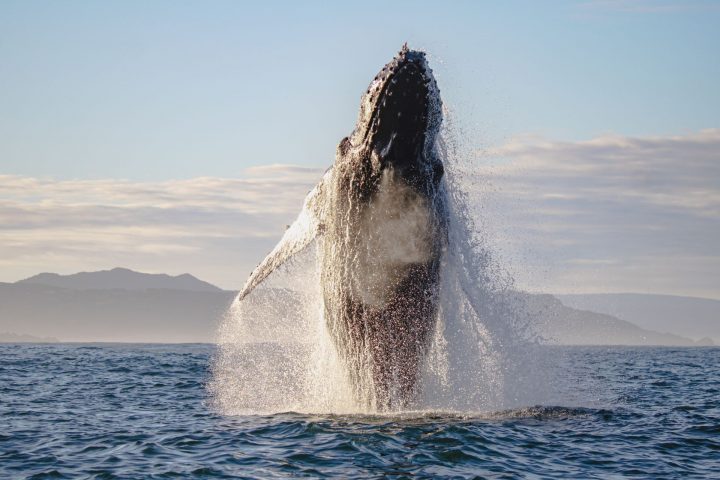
(379, 214)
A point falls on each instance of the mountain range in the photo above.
(691, 317)
(120, 278)
(122, 305)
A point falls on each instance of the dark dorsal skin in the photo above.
(384, 233)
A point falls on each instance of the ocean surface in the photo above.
(143, 411)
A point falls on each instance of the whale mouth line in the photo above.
(401, 115)
(401, 101)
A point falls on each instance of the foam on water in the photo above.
(139, 411)
(276, 355)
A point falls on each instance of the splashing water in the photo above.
(276, 355)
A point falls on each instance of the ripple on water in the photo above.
(140, 411)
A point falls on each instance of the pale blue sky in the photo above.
(160, 90)
(602, 119)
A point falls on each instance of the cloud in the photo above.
(213, 227)
(609, 214)
(613, 212)
(649, 6)
(678, 173)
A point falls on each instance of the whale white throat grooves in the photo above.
(379, 214)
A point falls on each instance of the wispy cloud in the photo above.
(614, 212)
(679, 173)
(650, 6)
(609, 214)
(214, 227)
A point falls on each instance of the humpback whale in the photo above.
(379, 215)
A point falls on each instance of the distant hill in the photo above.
(7, 337)
(696, 318)
(563, 325)
(117, 305)
(552, 322)
(121, 305)
(113, 315)
(122, 279)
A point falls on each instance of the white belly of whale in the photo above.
(395, 232)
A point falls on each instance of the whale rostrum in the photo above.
(379, 215)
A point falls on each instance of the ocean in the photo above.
(144, 411)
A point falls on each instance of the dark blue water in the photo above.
(141, 411)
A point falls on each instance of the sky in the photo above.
(182, 136)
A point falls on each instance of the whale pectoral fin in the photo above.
(296, 238)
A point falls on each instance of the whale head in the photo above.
(399, 120)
